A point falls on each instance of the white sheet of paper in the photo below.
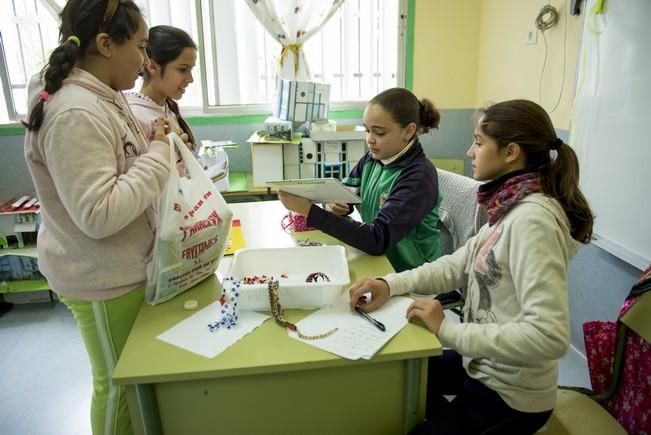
(193, 334)
(356, 337)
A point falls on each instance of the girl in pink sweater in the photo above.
(96, 176)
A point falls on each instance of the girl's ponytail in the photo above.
(429, 116)
(405, 108)
(560, 180)
(61, 62)
(527, 124)
(81, 21)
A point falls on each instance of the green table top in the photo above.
(267, 349)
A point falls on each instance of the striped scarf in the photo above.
(500, 195)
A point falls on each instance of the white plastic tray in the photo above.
(295, 264)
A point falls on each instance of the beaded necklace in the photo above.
(277, 312)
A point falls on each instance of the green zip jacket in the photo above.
(399, 210)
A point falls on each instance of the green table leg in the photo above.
(415, 392)
(144, 409)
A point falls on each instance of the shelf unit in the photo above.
(10, 285)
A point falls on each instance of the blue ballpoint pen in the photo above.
(365, 315)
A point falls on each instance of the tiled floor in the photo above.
(45, 382)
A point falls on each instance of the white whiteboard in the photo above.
(611, 126)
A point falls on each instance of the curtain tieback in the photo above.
(293, 48)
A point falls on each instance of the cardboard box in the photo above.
(295, 264)
(301, 101)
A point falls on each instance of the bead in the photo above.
(190, 305)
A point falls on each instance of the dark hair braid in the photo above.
(81, 19)
(61, 62)
(174, 107)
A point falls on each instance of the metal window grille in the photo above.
(360, 51)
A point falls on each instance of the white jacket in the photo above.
(96, 178)
(516, 321)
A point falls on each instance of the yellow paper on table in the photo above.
(237, 238)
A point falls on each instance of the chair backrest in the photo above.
(638, 317)
(460, 217)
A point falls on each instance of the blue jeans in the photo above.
(476, 409)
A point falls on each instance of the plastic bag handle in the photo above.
(191, 163)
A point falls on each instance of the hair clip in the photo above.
(44, 96)
(75, 40)
(555, 145)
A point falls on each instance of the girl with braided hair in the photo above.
(172, 55)
(96, 176)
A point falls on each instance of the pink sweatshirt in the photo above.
(147, 110)
(96, 178)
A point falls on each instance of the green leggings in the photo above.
(104, 327)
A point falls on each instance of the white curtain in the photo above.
(291, 23)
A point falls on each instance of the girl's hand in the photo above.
(340, 209)
(186, 140)
(378, 289)
(428, 311)
(295, 203)
(160, 128)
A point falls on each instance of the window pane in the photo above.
(29, 33)
(244, 54)
(356, 52)
(4, 116)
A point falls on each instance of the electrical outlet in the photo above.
(531, 37)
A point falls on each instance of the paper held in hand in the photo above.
(317, 189)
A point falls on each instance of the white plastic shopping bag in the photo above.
(193, 230)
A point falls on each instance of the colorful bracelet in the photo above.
(229, 310)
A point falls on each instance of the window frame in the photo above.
(12, 115)
(403, 70)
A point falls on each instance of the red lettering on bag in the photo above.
(196, 207)
(212, 220)
(195, 251)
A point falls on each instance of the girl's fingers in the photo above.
(357, 294)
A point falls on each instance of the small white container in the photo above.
(291, 266)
